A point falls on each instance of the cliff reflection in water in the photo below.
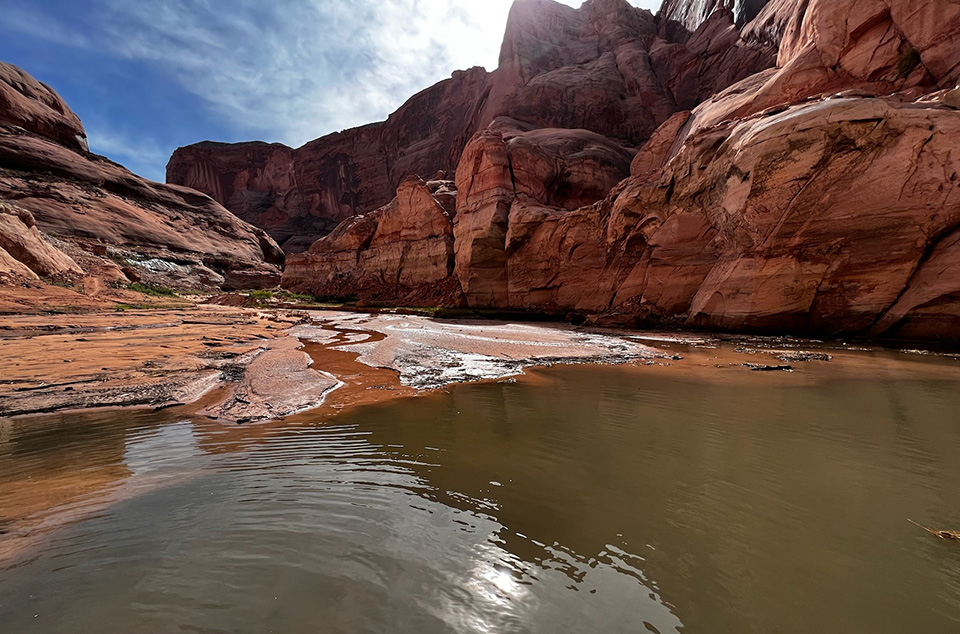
(721, 499)
(589, 498)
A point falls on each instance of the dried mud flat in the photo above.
(430, 354)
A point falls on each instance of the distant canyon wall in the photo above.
(608, 67)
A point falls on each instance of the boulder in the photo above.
(22, 241)
(10, 267)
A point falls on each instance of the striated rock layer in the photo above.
(74, 217)
(32, 105)
(820, 196)
(815, 219)
(777, 205)
(400, 252)
(607, 67)
(690, 14)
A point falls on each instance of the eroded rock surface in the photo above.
(514, 188)
(431, 354)
(27, 252)
(606, 68)
(72, 216)
(690, 14)
(278, 382)
(145, 359)
(798, 199)
(819, 195)
(402, 250)
(32, 105)
(815, 218)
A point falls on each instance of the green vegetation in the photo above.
(155, 291)
(281, 296)
(426, 311)
(302, 298)
(117, 258)
(125, 307)
(60, 282)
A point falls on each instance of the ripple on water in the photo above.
(597, 499)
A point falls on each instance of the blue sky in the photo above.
(147, 76)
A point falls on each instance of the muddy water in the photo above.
(586, 499)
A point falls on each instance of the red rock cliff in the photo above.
(603, 68)
(302, 194)
(68, 214)
(402, 252)
(820, 196)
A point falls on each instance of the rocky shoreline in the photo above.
(243, 365)
(153, 359)
(245, 374)
(248, 365)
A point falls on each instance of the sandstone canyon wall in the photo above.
(68, 215)
(603, 68)
(818, 191)
(401, 253)
(690, 14)
(302, 194)
(820, 196)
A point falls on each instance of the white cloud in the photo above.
(294, 70)
(140, 154)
